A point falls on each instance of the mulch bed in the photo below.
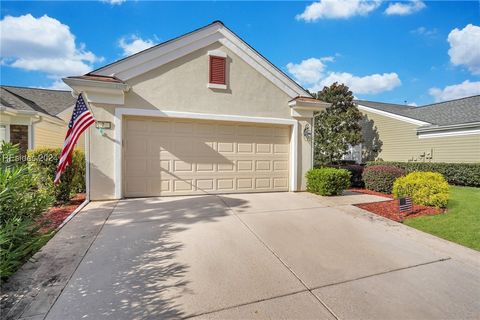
(389, 209)
(56, 215)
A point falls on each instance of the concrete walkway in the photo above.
(273, 255)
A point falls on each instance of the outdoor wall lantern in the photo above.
(307, 132)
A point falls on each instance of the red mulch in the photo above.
(389, 209)
(54, 217)
(373, 193)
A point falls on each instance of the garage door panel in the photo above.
(181, 157)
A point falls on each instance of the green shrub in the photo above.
(327, 181)
(425, 188)
(19, 194)
(356, 170)
(462, 174)
(19, 240)
(21, 202)
(381, 178)
(43, 161)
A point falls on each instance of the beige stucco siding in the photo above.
(181, 85)
(401, 143)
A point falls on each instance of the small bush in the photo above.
(356, 170)
(425, 188)
(21, 202)
(461, 174)
(381, 178)
(19, 240)
(43, 161)
(327, 181)
(19, 194)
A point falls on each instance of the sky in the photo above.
(406, 52)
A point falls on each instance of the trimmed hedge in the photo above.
(381, 178)
(356, 170)
(425, 188)
(462, 174)
(327, 181)
(43, 161)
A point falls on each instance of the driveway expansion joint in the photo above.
(281, 261)
(382, 273)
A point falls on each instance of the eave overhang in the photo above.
(99, 91)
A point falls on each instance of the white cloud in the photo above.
(412, 104)
(405, 8)
(337, 9)
(134, 44)
(422, 31)
(313, 74)
(113, 2)
(309, 71)
(371, 84)
(43, 44)
(465, 47)
(464, 89)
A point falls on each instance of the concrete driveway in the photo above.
(274, 255)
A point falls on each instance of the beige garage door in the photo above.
(181, 157)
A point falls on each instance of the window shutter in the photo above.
(217, 70)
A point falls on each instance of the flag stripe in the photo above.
(81, 119)
(76, 134)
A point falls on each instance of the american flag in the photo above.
(405, 204)
(80, 121)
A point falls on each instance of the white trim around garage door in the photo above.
(120, 112)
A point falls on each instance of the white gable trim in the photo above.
(157, 56)
(393, 116)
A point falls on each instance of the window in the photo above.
(217, 70)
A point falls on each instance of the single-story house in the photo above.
(201, 113)
(441, 132)
(35, 117)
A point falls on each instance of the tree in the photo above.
(338, 126)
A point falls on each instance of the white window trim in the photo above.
(217, 53)
(118, 123)
(221, 54)
(7, 131)
(216, 86)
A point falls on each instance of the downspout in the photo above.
(313, 138)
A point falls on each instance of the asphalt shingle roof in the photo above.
(459, 111)
(50, 102)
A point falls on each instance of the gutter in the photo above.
(452, 127)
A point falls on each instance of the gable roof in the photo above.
(459, 111)
(156, 56)
(49, 102)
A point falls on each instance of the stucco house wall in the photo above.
(401, 143)
(181, 85)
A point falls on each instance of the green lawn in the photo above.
(461, 222)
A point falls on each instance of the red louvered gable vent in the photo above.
(217, 70)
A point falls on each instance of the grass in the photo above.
(461, 222)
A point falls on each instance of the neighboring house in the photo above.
(202, 113)
(35, 117)
(442, 132)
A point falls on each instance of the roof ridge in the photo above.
(446, 101)
(32, 88)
